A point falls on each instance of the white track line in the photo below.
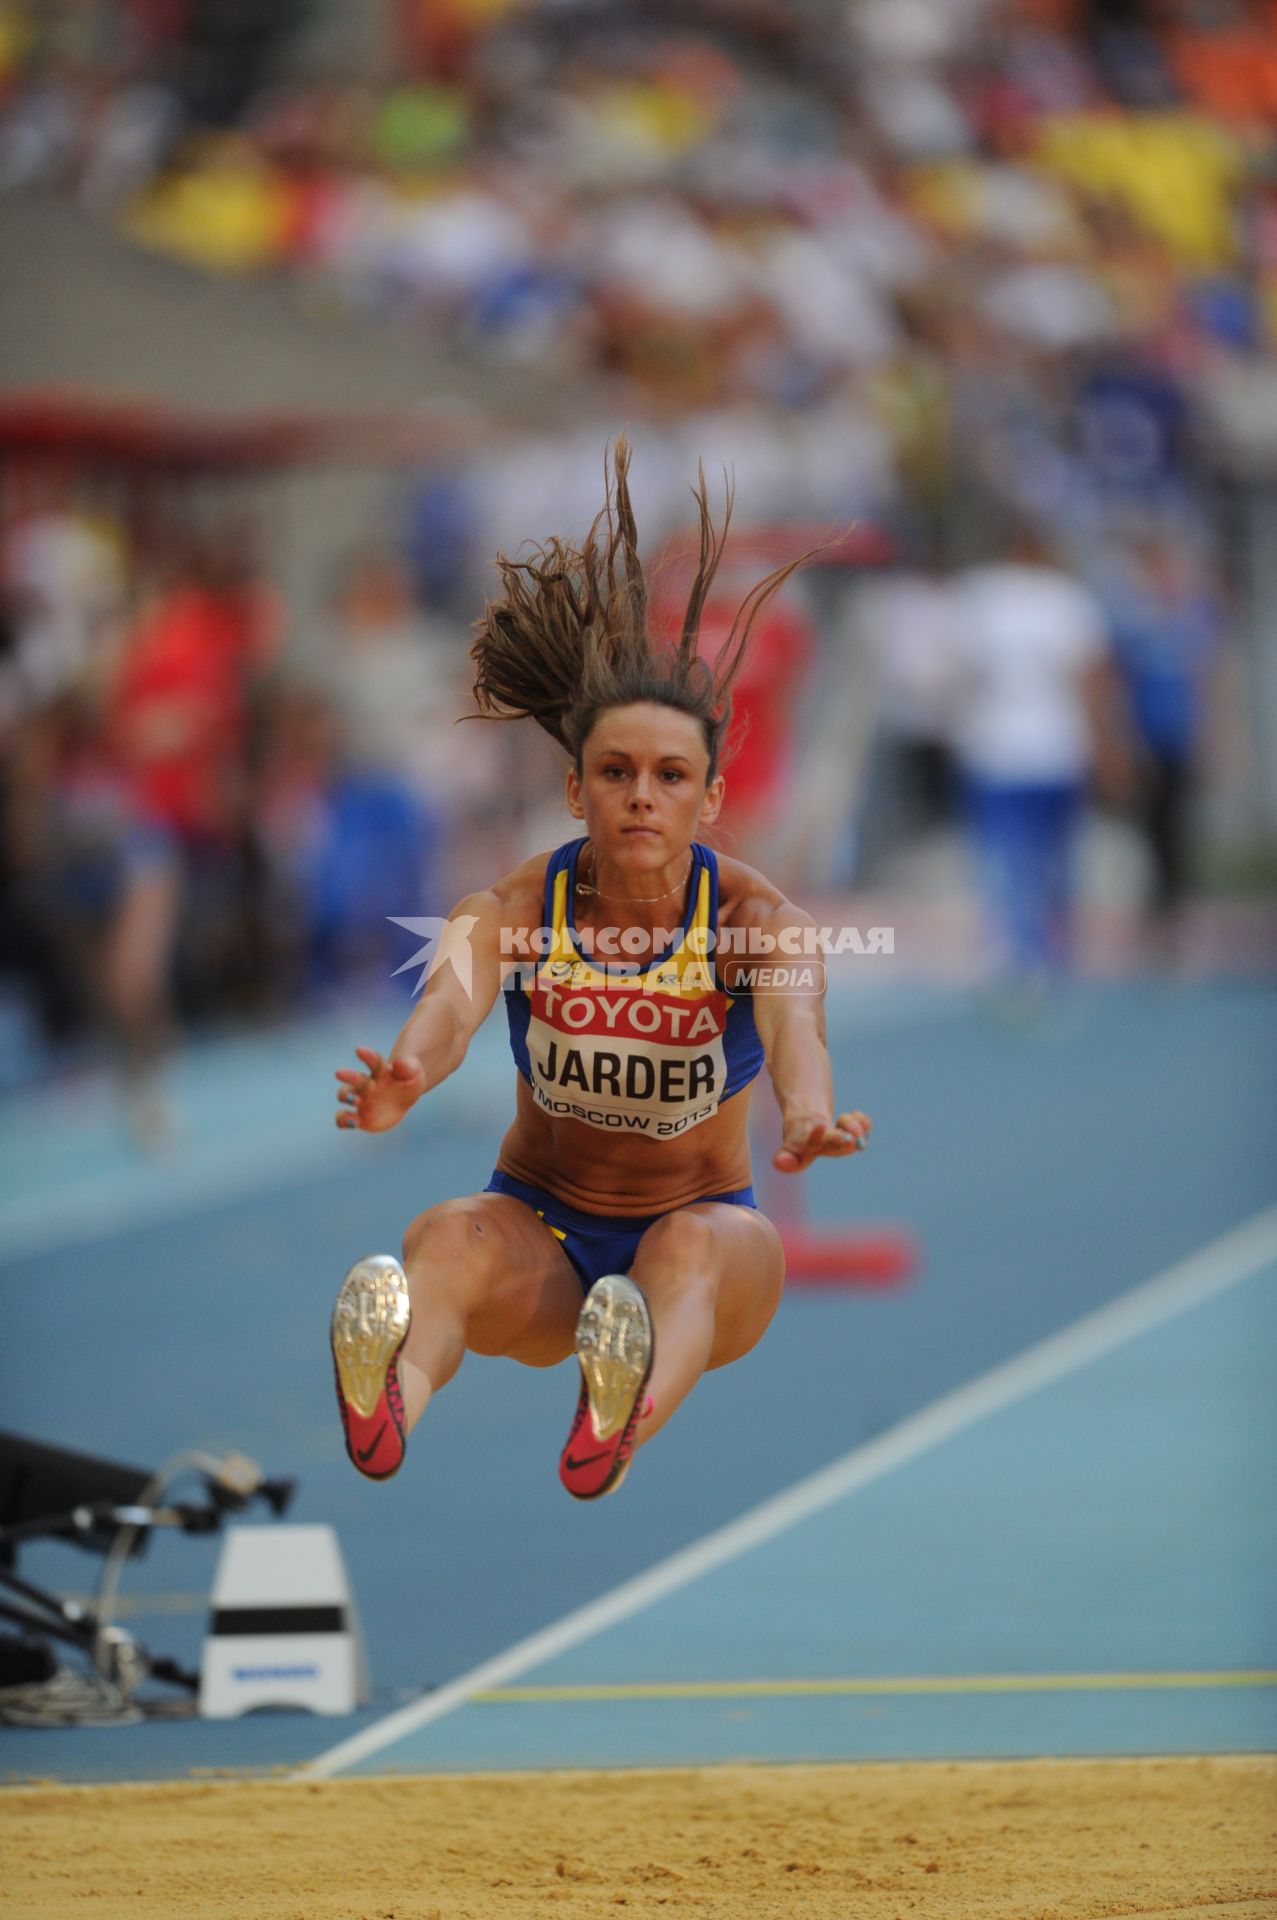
(1209, 1271)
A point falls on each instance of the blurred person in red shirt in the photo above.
(178, 713)
(179, 705)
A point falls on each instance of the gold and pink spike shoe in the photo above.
(615, 1344)
(369, 1326)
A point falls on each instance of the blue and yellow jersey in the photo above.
(651, 1050)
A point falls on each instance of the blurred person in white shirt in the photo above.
(394, 673)
(1036, 720)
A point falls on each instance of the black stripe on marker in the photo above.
(229, 1621)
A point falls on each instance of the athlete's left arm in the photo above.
(791, 1026)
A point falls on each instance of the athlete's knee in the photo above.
(452, 1238)
(678, 1250)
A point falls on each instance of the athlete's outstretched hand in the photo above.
(807, 1138)
(380, 1096)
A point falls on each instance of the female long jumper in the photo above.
(619, 1223)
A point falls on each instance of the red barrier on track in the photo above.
(881, 1256)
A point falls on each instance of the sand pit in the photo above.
(1037, 1840)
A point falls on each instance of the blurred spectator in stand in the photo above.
(90, 883)
(437, 36)
(64, 578)
(909, 622)
(395, 674)
(393, 678)
(442, 535)
(224, 52)
(30, 947)
(295, 769)
(179, 706)
(1225, 59)
(178, 709)
(92, 891)
(1128, 53)
(1036, 715)
(1166, 620)
(1133, 429)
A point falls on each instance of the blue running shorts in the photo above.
(597, 1243)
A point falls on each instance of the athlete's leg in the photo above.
(484, 1275)
(713, 1277)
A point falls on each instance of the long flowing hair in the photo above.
(568, 636)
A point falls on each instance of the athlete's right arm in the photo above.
(465, 974)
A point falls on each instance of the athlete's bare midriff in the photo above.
(608, 1173)
(604, 1174)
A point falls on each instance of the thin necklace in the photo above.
(633, 899)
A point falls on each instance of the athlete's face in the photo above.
(643, 790)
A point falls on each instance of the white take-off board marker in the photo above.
(283, 1631)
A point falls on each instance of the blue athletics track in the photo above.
(1021, 1505)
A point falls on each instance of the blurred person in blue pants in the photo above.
(1036, 718)
(393, 674)
(1167, 626)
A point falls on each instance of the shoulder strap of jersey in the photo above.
(708, 860)
(558, 874)
(706, 913)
